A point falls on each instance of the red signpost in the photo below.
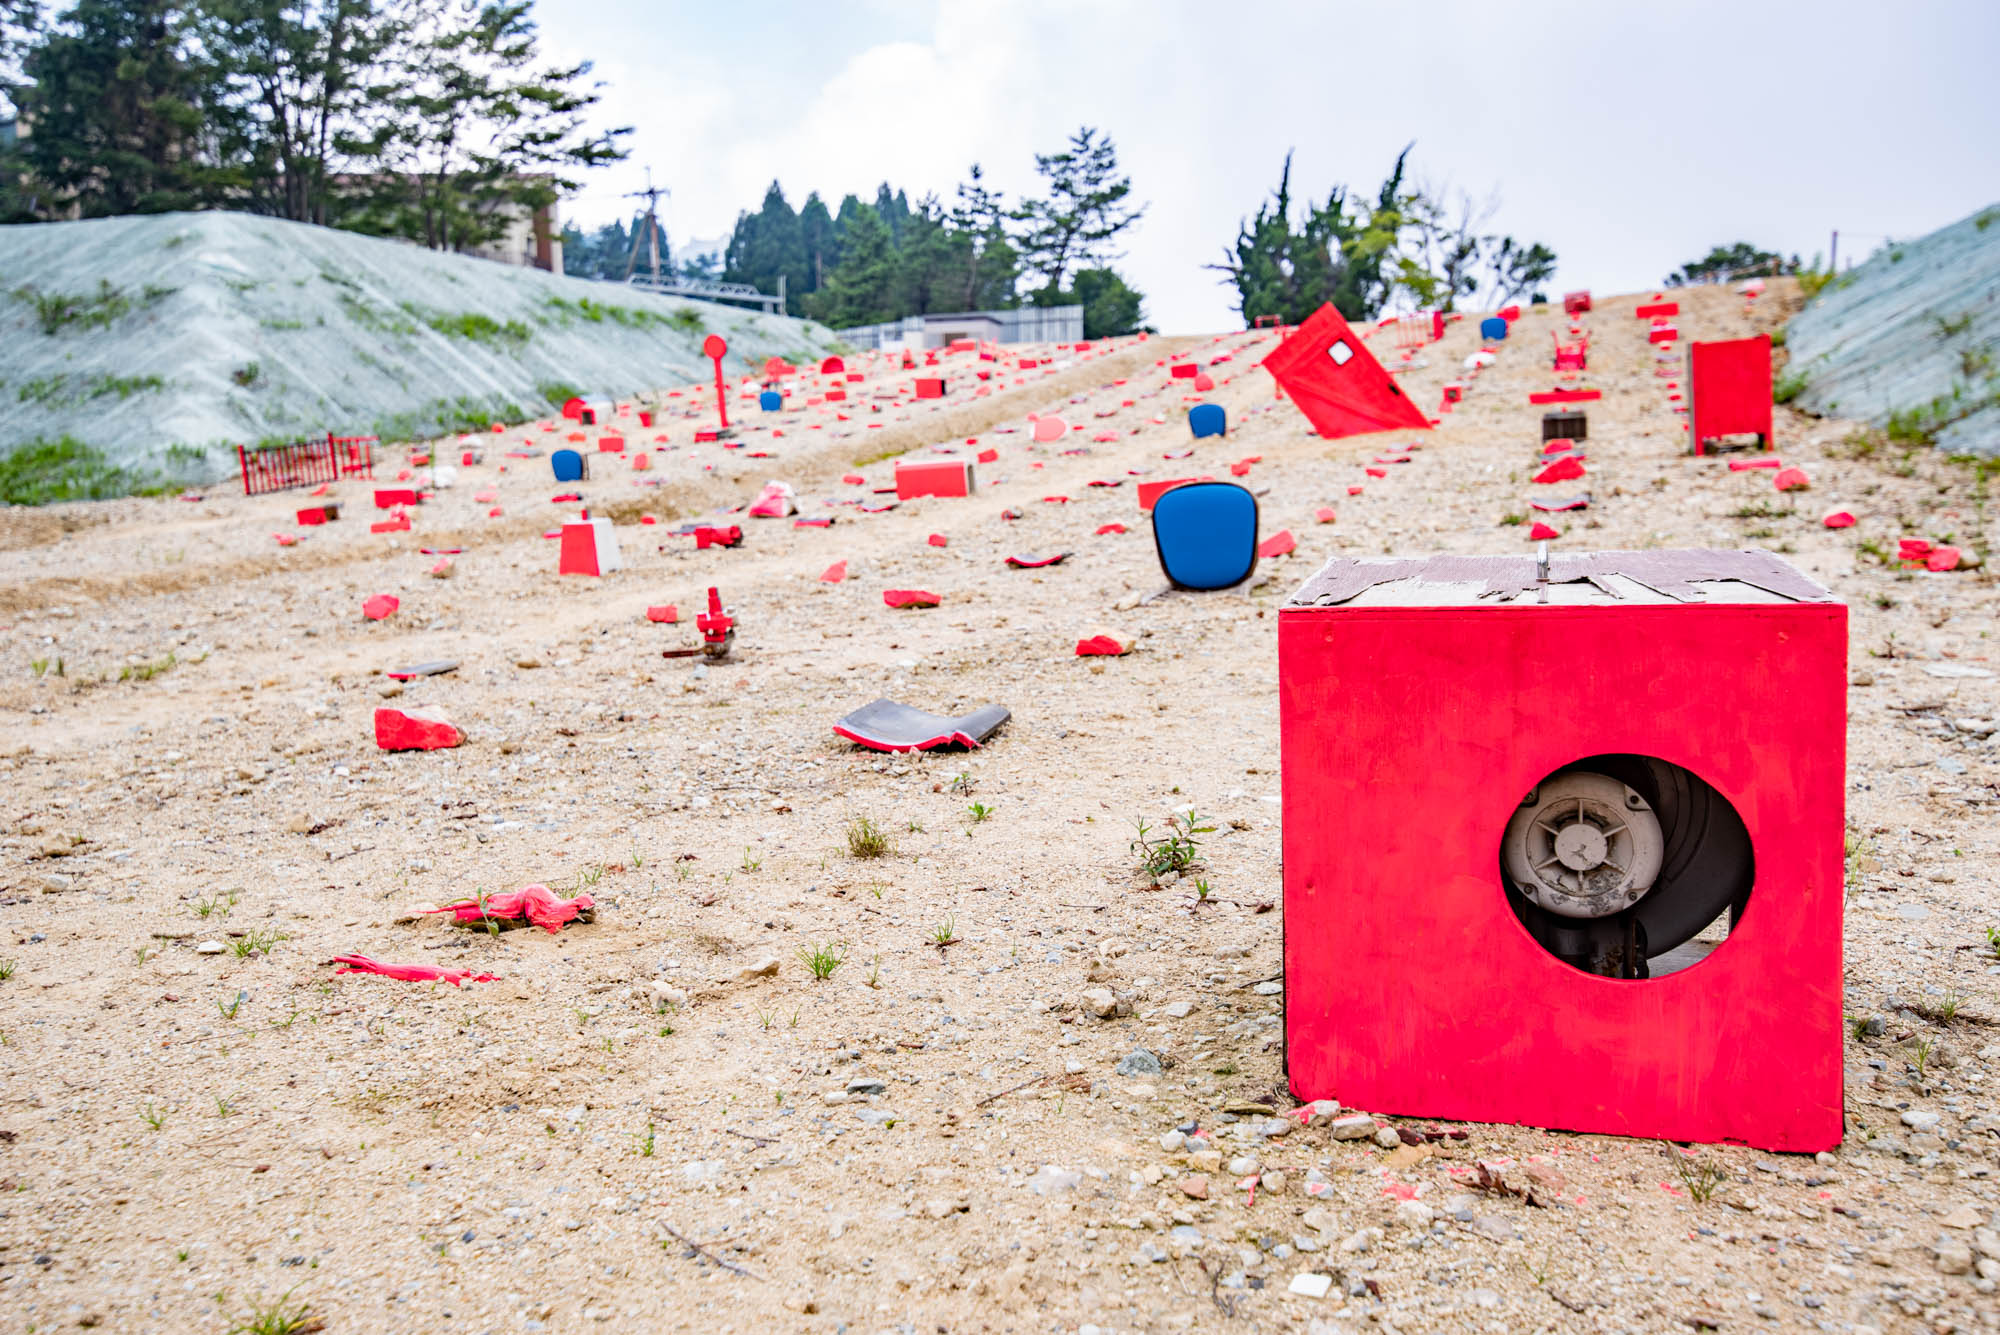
(715, 349)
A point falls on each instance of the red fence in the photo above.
(306, 464)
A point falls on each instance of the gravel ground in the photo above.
(660, 1120)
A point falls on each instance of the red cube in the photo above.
(930, 387)
(1430, 972)
(1729, 390)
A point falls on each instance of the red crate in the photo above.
(1729, 390)
(1413, 986)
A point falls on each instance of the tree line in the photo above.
(430, 120)
(1423, 240)
(870, 262)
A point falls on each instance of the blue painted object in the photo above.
(568, 465)
(1208, 419)
(1206, 534)
(1493, 329)
(770, 400)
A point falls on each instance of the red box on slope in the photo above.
(1422, 979)
(1729, 390)
(933, 477)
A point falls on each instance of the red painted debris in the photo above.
(1562, 470)
(1110, 528)
(910, 598)
(1281, 543)
(1354, 491)
(535, 904)
(409, 973)
(1791, 479)
(1324, 514)
(380, 606)
(666, 615)
(834, 573)
(937, 540)
(415, 730)
(1542, 531)
(1109, 646)
(1838, 519)
(1942, 559)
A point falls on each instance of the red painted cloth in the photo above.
(531, 903)
(410, 973)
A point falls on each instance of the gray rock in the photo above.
(1497, 1227)
(1953, 1256)
(1139, 1062)
(1049, 1179)
(1173, 1141)
(877, 1116)
(1354, 1126)
(1184, 1235)
(1100, 1001)
(1242, 1166)
(1177, 1010)
(1919, 1120)
(1387, 1138)
(1269, 989)
(1150, 1251)
(867, 1084)
(210, 948)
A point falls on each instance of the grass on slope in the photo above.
(42, 472)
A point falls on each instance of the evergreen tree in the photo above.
(817, 239)
(861, 288)
(473, 126)
(765, 244)
(1335, 253)
(1518, 269)
(992, 265)
(116, 95)
(1111, 308)
(1084, 212)
(1725, 264)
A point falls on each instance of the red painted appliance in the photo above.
(1729, 390)
(1523, 798)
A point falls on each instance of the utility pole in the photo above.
(1833, 256)
(652, 196)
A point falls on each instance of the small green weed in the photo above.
(1172, 852)
(1699, 1176)
(256, 943)
(946, 932)
(979, 812)
(644, 1147)
(865, 839)
(153, 1115)
(229, 1008)
(822, 960)
(278, 1317)
(750, 863)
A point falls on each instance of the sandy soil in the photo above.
(638, 1127)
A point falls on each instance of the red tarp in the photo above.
(1329, 373)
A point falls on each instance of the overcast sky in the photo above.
(1628, 138)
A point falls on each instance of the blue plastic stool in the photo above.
(1208, 419)
(770, 400)
(1206, 534)
(1493, 329)
(568, 465)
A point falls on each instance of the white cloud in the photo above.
(1627, 140)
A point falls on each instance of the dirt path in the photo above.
(637, 1128)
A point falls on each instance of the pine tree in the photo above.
(861, 288)
(1335, 253)
(1084, 212)
(1111, 307)
(765, 244)
(116, 95)
(816, 237)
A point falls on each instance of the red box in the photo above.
(1575, 303)
(836, 396)
(385, 497)
(1729, 390)
(1662, 333)
(319, 514)
(1420, 700)
(930, 387)
(611, 444)
(933, 477)
(1658, 309)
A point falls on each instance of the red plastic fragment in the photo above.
(1101, 645)
(937, 540)
(410, 973)
(1281, 543)
(910, 598)
(834, 573)
(667, 615)
(1109, 528)
(1791, 479)
(380, 606)
(1324, 514)
(1839, 519)
(1562, 470)
(1942, 559)
(415, 730)
(1541, 532)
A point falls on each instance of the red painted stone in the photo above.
(910, 598)
(381, 606)
(666, 615)
(415, 730)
